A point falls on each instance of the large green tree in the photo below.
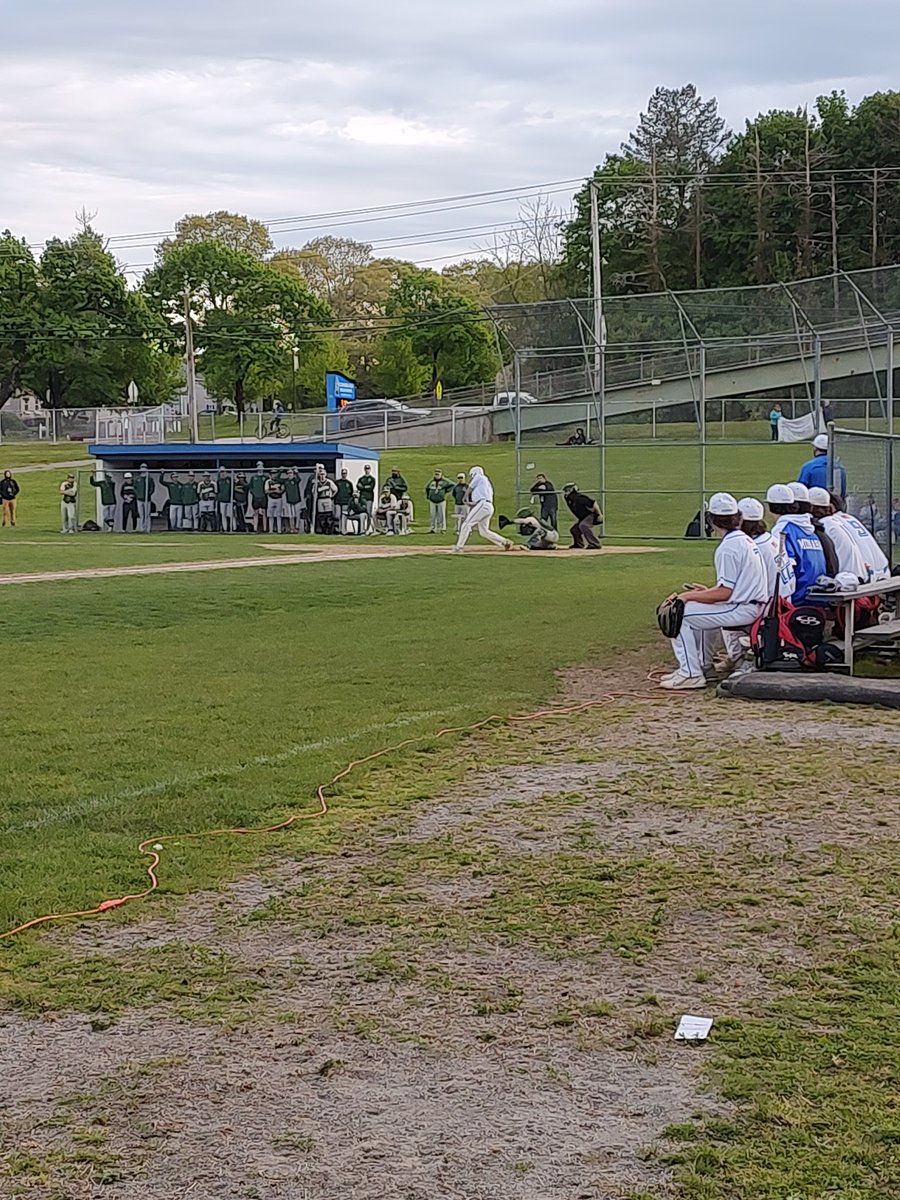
(249, 318)
(93, 336)
(232, 230)
(447, 333)
(20, 319)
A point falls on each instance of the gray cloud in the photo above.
(279, 108)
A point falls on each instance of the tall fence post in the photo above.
(453, 425)
(702, 440)
(53, 425)
(587, 423)
(889, 384)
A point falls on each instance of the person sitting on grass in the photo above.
(587, 514)
(738, 598)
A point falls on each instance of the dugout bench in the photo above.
(885, 635)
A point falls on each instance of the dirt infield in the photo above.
(287, 557)
(475, 997)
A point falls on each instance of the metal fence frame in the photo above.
(889, 444)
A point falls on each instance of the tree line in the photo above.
(685, 203)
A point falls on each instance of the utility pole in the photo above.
(835, 257)
(189, 367)
(875, 217)
(597, 272)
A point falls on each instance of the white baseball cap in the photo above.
(779, 493)
(821, 442)
(819, 497)
(722, 504)
(751, 509)
(800, 492)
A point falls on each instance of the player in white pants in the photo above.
(480, 511)
(736, 601)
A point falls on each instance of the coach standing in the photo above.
(9, 490)
(545, 490)
(587, 514)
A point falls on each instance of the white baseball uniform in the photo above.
(481, 509)
(739, 566)
(872, 554)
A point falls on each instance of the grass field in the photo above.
(653, 491)
(464, 980)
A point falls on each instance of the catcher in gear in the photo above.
(540, 533)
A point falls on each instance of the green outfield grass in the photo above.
(652, 491)
(166, 704)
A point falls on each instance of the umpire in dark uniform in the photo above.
(587, 514)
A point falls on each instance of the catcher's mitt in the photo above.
(669, 616)
(504, 522)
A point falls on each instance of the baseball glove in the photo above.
(504, 522)
(669, 616)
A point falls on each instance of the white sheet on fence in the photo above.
(802, 429)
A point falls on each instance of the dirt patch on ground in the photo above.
(292, 557)
(478, 1000)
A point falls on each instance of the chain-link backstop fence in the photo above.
(867, 466)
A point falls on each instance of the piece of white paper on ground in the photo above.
(693, 1029)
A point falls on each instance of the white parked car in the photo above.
(508, 399)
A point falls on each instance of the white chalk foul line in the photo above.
(63, 814)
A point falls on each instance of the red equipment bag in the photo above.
(786, 638)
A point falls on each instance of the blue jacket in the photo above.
(815, 474)
(805, 549)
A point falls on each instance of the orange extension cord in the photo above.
(147, 847)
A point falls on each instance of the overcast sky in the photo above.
(143, 111)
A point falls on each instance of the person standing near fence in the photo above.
(9, 492)
(190, 498)
(436, 494)
(815, 472)
(546, 492)
(206, 492)
(68, 504)
(107, 488)
(366, 489)
(460, 506)
(774, 417)
(224, 500)
(172, 485)
(275, 505)
(292, 500)
(396, 484)
(128, 496)
(481, 509)
(145, 487)
(241, 500)
(342, 498)
(259, 498)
